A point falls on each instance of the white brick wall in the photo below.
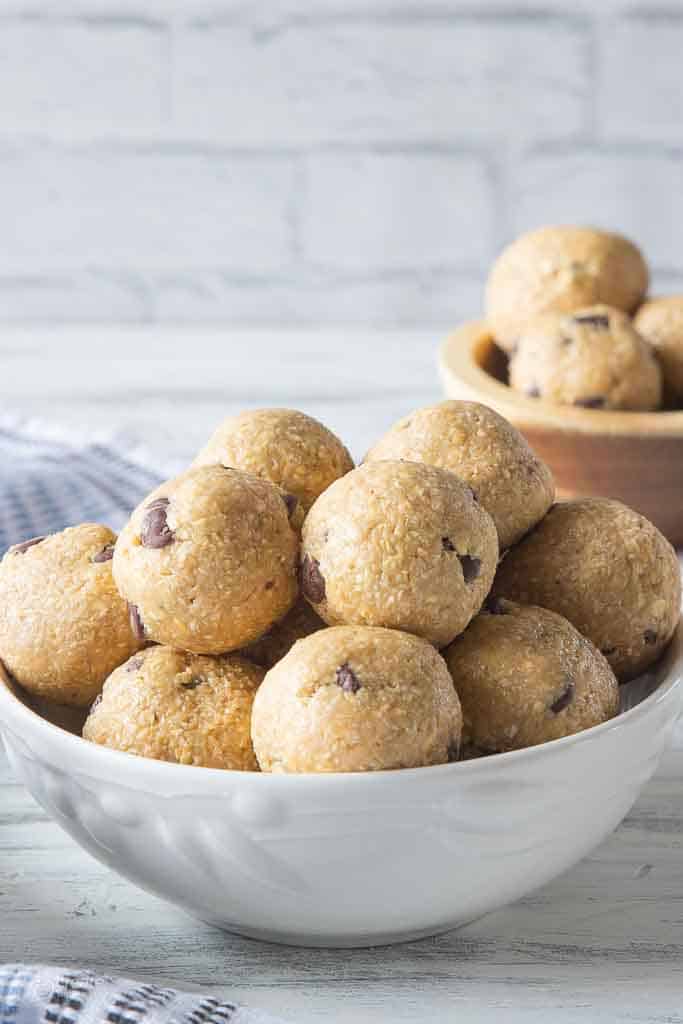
(366, 81)
(309, 161)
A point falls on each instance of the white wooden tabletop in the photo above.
(602, 943)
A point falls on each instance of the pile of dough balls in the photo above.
(568, 305)
(274, 608)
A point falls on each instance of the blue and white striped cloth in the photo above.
(51, 478)
(54, 995)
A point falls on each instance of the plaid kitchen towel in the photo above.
(54, 995)
(51, 478)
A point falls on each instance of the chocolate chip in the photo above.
(599, 320)
(471, 567)
(591, 402)
(496, 606)
(533, 392)
(649, 636)
(133, 664)
(136, 623)
(447, 544)
(291, 501)
(105, 555)
(95, 704)
(155, 532)
(18, 549)
(564, 700)
(347, 679)
(312, 580)
(269, 584)
(193, 683)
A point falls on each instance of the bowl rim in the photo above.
(671, 682)
(458, 363)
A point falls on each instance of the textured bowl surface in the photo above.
(348, 860)
(635, 457)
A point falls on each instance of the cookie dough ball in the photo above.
(524, 675)
(174, 706)
(594, 358)
(485, 451)
(660, 321)
(399, 544)
(63, 626)
(356, 699)
(208, 560)
(606, 569)
(558, 270)
(290, 449)
(300, 621)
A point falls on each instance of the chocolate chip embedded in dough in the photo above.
(564, 700)
(155, 531)
(136, 623)
(471, 567)
(347, 679)
(19, 549)
(105, 555)
(312, 580)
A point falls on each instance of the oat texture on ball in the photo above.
(607, 570)
(63, 625)
(208, 560)
(174, 706)
(289, 448)
(660, 321)
(353, 699)
(524, 676)
(402, 545)
(558, 270)
(593, 358)
(485, 451)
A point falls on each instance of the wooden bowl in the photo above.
(636, 457)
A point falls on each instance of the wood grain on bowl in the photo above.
(635, 457)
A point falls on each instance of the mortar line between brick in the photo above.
(88, 20)
(418, 14)
(13, 145)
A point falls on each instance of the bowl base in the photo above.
(344, 941)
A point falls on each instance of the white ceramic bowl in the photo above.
(348, 860)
